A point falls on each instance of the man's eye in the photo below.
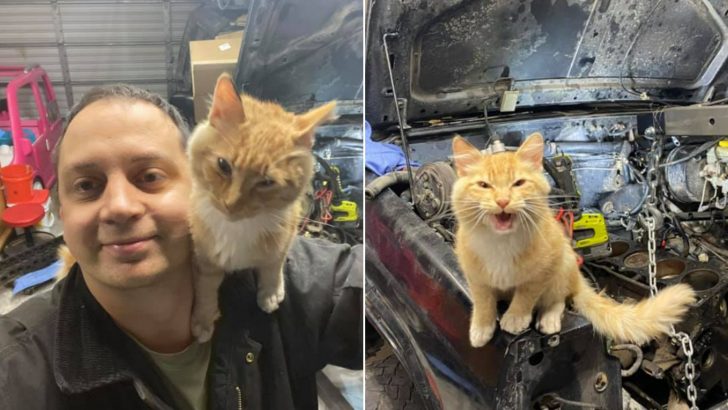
(86, 186)
(152, 177)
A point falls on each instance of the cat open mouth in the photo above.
(503, 221)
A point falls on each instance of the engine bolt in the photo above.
(553, 340)
(601, 382)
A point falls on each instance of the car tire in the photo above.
(388, 386)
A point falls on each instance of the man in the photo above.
(115, 333)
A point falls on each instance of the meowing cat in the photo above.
(510, 246)
(251, 162)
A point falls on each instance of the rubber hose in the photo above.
(385, 181)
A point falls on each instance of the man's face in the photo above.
(124, 186)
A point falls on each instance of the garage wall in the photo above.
(82, 43)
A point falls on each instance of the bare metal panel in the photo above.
(46, 57)
(105, 41)
(697, 121)
(112, 23)
(116, 63)
(180, 12)
(30, 23)
(63, 106)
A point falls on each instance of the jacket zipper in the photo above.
(148, 397)
(240, 397)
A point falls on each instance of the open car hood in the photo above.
(457, 56)
(303, 52)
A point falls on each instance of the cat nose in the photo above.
(503, 203)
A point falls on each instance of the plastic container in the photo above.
(18, 183)
(721, 151)
(6, 155)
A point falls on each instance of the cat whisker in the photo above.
(533, 222)
(540, 212)
(522, 220)
(469, 209)
(554, 196)
(316, 221)
(481, 217)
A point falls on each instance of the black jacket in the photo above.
(61, 350)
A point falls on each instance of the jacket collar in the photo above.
(90, 350)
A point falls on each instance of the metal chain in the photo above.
(649, 221)
(652, 174)
(652, 253)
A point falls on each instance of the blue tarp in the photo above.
(382, 158)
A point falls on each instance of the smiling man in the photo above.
(115, 333)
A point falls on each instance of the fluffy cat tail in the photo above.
(633, 322)
(67, 259)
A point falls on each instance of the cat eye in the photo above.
(224, 166)
(265, 183)
(483, 184)
(519, 182)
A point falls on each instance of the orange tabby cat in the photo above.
(251, 163)
(510, 246)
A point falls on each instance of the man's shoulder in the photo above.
(26, 341)
(30, 325)
(312, 260)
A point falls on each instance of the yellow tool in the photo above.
(590, 230)
(348, 208)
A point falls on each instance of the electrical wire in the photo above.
(702, 196)
(694, 153)
(553, 397)
(714, 102)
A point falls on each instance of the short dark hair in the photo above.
(124, 92)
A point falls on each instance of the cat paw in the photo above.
(203, 326)
(269, 301)
(480, 335)
(549, 323)
(515, 324)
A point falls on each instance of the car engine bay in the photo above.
(614, 176)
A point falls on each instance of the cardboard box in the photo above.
(209, 59)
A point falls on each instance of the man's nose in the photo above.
(121, 201)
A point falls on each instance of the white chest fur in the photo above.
(233, 244)
(498, 255)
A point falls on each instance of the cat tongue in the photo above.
(503, 221)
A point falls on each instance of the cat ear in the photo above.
(532, 150)
(227, 107)
(308, 121)
(464, 154)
